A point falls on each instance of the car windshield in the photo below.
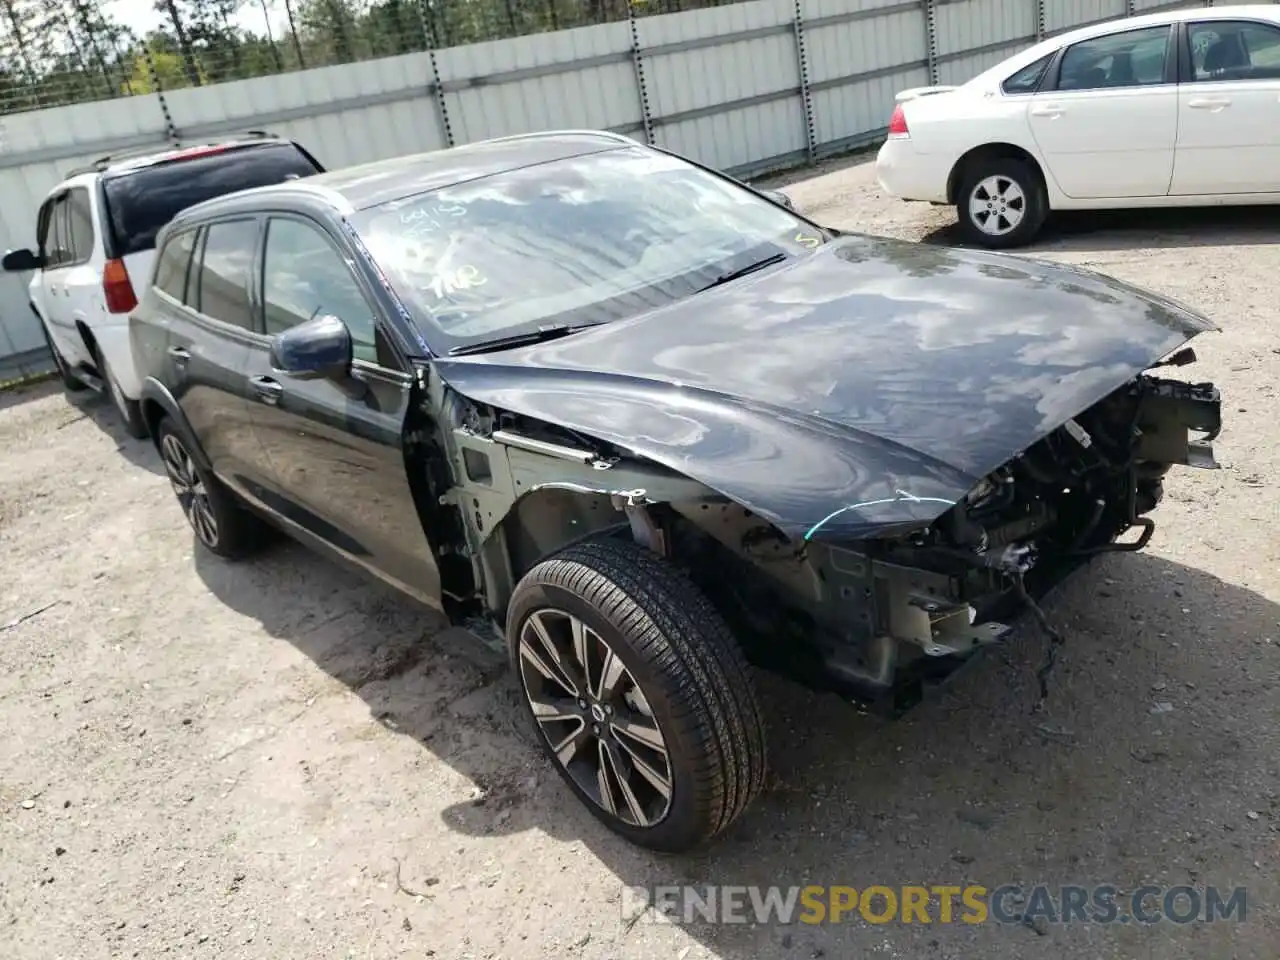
(574, 242)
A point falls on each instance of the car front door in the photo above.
(209, 340)
(336, 445)
(1229, 109)
(1108, 123)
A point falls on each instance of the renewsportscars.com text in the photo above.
(970, 903)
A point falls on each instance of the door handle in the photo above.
(1208, 103)
(1050, 110)
(179, 356)
(268, 390)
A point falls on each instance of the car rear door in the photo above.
(336, 445)
(1228, 109)
(81, 277)
(1107, 121)
(56, 302)
(207, 353)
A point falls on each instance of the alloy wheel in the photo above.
(190, 489)
(595, 717)
(997, 205)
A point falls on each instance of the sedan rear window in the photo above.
(578, 241)
(140, 202)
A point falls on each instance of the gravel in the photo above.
(280, 760)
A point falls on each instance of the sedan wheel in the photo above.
(595, 717)
(997, 205)
(192, 494)
(1001, 203)
(638, 693)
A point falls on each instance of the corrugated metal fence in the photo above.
(748, 87)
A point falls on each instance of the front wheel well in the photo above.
(986, 153)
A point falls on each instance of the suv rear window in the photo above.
(142, 201)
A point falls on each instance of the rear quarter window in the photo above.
(173, 263)
(1027, 80)
(140, 202)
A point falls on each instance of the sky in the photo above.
(141, 15)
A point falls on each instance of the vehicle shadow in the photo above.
(1142, 754)
(28, 392)
(86, 405)
(1108, 230)
(101, 412)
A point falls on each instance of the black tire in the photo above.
(678, 652)
(70, 382)
(236, 533)
(1033, 207)
(135, 424)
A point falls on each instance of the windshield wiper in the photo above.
(743, 271)
(541, 335)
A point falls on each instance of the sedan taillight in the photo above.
(898, 124)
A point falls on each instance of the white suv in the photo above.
(95, 244)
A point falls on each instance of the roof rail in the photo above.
(610, 135)
(102, 163)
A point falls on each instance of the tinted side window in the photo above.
(1130, 59)
(57, 249)
(1028, 78)
(223, 291)
(80, 225)
(1234, 50)
(144, 201)
(171, 266)
(44, 224)
(304, 276)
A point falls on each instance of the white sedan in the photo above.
(1163, 110)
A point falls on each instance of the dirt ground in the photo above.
(279, 760)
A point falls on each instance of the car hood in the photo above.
(869, 384)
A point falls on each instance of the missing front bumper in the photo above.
(1171, 412)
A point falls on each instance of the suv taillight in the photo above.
(117, 288)
(898, 124)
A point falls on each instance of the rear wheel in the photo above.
(638, 693)
(135, 425)
(69, 380)
(220, 524)
(1001, 202)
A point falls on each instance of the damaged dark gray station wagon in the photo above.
(652, 425)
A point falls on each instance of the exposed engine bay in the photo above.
(878, 620)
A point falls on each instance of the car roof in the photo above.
(367, 185)
(129, 161)
(371, 184)
(1259, 11)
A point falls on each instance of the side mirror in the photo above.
(319, 348)
(20, 261)
(778, 197)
